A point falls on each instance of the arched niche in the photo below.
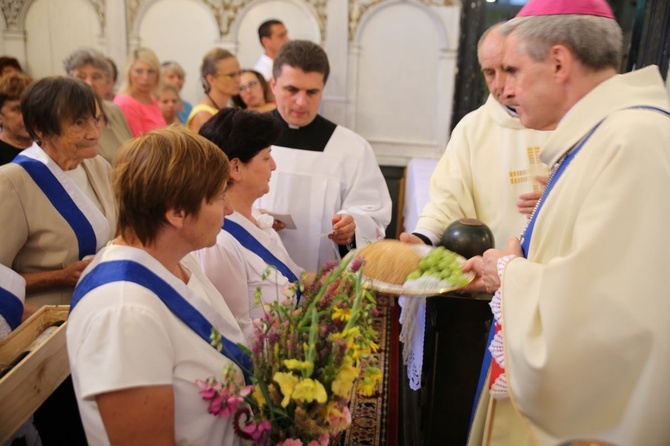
(298, 17)
(182, 31)
(55, 28)
(402, 80)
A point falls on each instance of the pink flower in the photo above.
(324, 440)
(291, 442)
(256, 430)
(207, 390)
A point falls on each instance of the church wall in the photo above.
(53, 29)
(182, 31)
(393, 61)
(402, 82)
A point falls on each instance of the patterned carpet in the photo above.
(375, 418)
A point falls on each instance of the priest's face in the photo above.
(532, 87)
(490, 55)
(298, 95)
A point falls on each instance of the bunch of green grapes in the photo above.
(441, 264)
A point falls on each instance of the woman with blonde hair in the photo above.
(220, 77)
(137, 95)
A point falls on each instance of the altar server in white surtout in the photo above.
(327, 177)
(57, 207)
(582, 342)
(138, 335)
(247, 247)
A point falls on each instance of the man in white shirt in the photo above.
(327, 176)
(273, 35)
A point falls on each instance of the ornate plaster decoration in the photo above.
(320, 6)
(11, 9)
(358, 7)
(99, 6)
(224, 11)
(132, 8)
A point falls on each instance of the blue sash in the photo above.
(11, 308)
(249, 242)
(63, 203)
(131, 271)
(525, 244)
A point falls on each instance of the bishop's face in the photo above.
(298, 95)
(532, 88)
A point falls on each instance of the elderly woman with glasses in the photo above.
(220, 77)
(57, 205)
(255, 93)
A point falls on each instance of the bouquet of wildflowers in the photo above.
(307, 361)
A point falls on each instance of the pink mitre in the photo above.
(598, 8)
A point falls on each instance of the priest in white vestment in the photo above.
(582, 345)
(327, 177)
(490, 168)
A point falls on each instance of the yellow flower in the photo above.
(344, 381)
(258, 395)
(374, 346)
(294, 364)
(310, 390)
(367, 386)
(341, 314)
(287, 382)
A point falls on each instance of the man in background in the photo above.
(272, 35)
(327, 178)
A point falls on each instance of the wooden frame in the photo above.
(32, 380)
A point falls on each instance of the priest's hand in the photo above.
(344, 229)
(527, 202)
(278, 225)
(490, 277)
(476, 265)
(406, 237)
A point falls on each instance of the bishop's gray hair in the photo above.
(597, 42)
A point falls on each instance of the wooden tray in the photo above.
(31, 381)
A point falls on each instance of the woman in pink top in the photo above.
(137, 96)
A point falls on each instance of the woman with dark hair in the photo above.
(14, 137)
(9, 64)
(57, 202)
(220, 77)
(255, 93)
(247, 244)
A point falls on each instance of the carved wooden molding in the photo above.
(358, 7)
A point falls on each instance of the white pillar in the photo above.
(336, 46)
(15, 46)
(116, 42)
